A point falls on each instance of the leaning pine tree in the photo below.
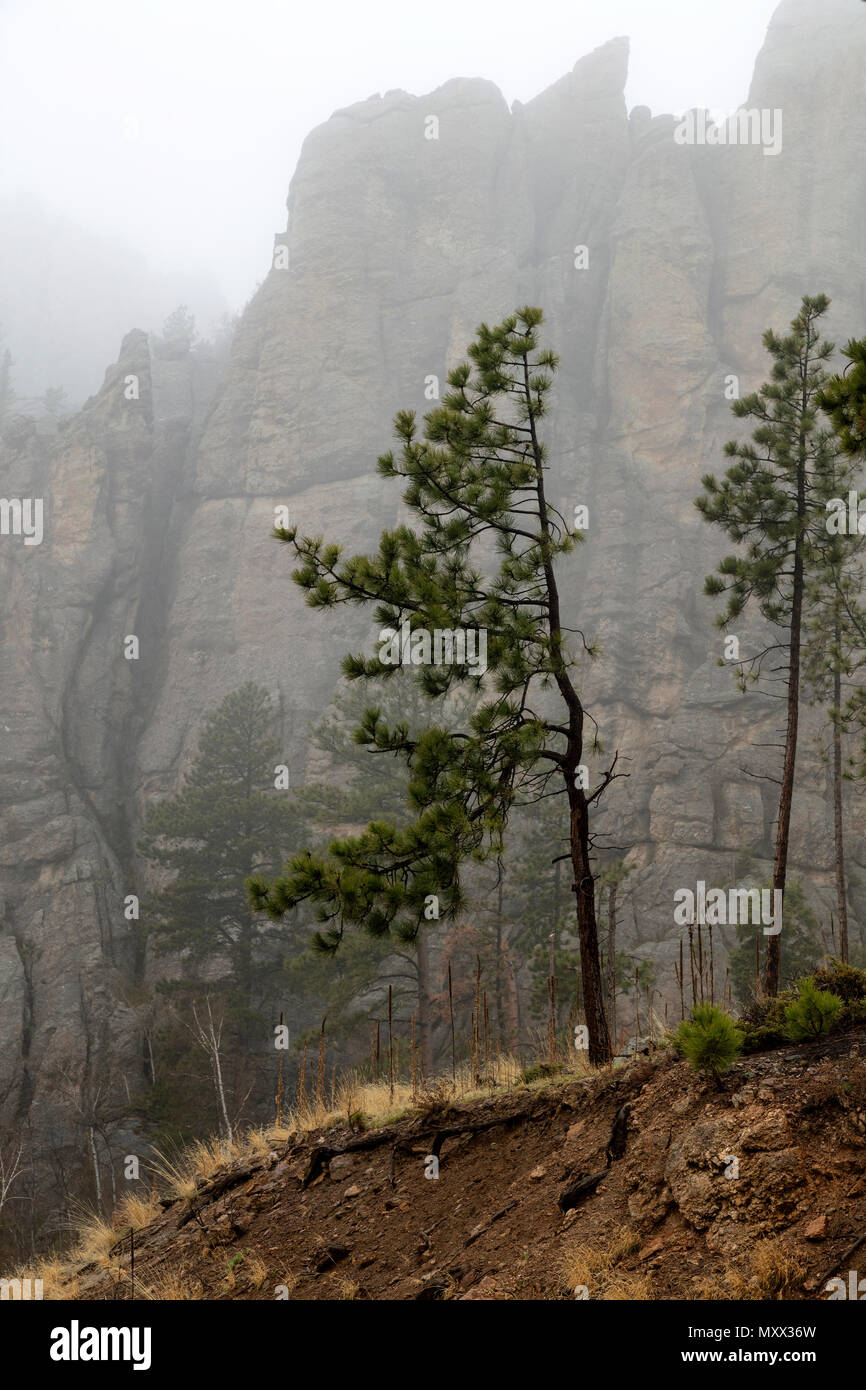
(772, 501)
(475, 480)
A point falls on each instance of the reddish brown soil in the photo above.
(489, 1226)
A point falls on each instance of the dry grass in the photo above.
(776, 1271)
(365, 1104)
(623, 1243)
(206, 1156)
(257, 1143)
(592, 1265)
(95, 1238)
(176, 1176)
(256, 1270)
(379, 1105)
(136, 1211)
(278, 1134)
(58, 1280)
(183, 1175)
(773, 1273)
(170, 1286)
(623, 1287)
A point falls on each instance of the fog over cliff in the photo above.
(144, 161)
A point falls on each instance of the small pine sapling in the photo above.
(813, 1014)
(710, 1041)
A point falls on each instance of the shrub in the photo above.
(762, 1040)
(763, 1022)
(845, 980)
(813, 1014)
(767, 1013)
(856, 1012)
(710, 1041)
(539, 1071)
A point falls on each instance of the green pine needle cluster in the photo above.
(812, 1014)
(710, 1041)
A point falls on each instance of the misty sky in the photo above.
(177, 123)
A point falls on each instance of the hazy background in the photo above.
(145, 153)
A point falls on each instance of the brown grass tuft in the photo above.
(592, 1265)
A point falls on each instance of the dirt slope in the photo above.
(703, 1179)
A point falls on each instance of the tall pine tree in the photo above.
(475, 482)
(772, 503)
(226, 822)
(834, 650)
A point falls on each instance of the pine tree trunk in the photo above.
(245, 984)
(425, 1032)
(513, 1008)
(590, 963)
(838, 839)
(500, 1021)
(773, 966)
(583, 881)
(611, 962)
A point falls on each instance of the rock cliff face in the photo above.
(158, 508)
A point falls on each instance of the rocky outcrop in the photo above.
(658, 266)
(74, 707)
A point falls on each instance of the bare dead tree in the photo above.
(11, 1169)
(208, 1035)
